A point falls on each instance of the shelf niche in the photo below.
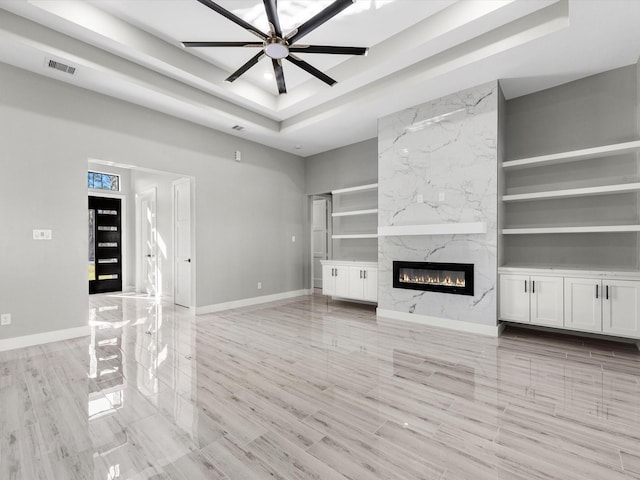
(578, 205)
(354, 220)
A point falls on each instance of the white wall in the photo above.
(246, 212)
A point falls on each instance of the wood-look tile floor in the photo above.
(314, 389)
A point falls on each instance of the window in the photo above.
(104, 181)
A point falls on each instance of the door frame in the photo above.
(124, 230)
(329, 198)
(194, 262)
(139, 255)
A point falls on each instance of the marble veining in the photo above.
(311, 388)
(444, 148)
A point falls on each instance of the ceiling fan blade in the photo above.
(328, 49)
(311, 69)
(272, 14)
(235, 19)
(317, 20)
(277, 69)
(222, 44)
(234, 76)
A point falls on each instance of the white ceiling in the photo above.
(418, 50)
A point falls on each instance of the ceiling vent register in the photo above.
(62, 67)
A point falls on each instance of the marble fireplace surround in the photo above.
(438, 202)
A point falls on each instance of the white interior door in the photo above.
(147, 251)
(182, 242)
(319, 243)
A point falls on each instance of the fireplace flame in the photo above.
(428, 279)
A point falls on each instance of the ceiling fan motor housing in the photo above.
(276, 48)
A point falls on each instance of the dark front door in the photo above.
(105, 245)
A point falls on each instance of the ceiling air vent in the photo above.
(62, 67)
(238, 128)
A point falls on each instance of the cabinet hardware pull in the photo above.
(525, 286)
(360, 273)
(365, 274)
(607, 292)
(533, 286)
(596, 291)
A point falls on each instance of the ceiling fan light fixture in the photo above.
(276, 48)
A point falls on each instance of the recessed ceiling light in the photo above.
(268, 76)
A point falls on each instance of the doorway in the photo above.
(320, 234)
(147, 246)
(105, 245)
(182, 293)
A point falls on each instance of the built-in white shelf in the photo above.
(433, 229)
(574, 155)
(356, 235)
(572, 270)
(574, 192)
(582, 229)
(355, 212)
(360, 188)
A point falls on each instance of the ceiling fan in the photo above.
(277, 46)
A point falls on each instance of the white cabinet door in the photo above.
(328, 280)
(342, 281)
(547, 306)
(583, 304)
(356, 282)
(621, 308)
(371, 284)
(514, 298)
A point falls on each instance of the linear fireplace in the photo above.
(455, 278)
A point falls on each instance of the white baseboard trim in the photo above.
(247, 302)
(489, 330)
(42, 338)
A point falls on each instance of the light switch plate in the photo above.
(5, 319)
(42, 234)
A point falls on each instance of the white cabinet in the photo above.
(546, 300)
(608, 306)
(335, 280)
(531, 299)
(514, 298)
(583, 304)
(580, 300)
(621, 308)
(363, 283)
(354, 280)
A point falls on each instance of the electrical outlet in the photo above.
(441, 197)
(259, 285)
(5, 319)
(419, 198)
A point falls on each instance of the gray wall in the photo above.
(585, 113)
(246, 212)
(343, 167)
(593, 111)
